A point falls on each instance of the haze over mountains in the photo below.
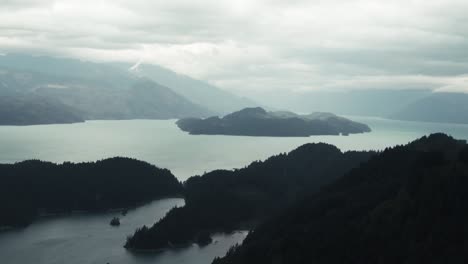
(101, 91)
(87, 90)
(401, 104)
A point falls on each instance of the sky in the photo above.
(257, 47)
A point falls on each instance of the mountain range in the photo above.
(102, 91)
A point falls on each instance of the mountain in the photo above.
(199, 92)
(365, 102)
(144, 99)
(437, 107)
(405, 205)
(95, 90)
(226, 200)
(33, 110)
(258, 122)
(33, 188)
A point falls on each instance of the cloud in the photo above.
(255, 47)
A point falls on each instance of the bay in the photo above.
(88, 238)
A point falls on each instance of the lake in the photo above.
(89, 238)
(163, 144)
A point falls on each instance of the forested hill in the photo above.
(33, 187)
(228, 200)
(255, 121)
(408, 204)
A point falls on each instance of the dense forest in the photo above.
(228, 200)
(408, 204)
(32, 188)
(256, 121)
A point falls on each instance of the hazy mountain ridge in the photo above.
(34, 110)
(258, 122)
(437, 107)
(95, 90)
(401, 104)
(197, 91)
(405, 205)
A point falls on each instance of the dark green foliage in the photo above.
(406, 205)
(464, 155)
(258, 122)
(227, 200)
(31, 188)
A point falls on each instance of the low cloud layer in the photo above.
(255, 47)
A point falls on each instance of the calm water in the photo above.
(163, 144)
(89, 238)
(82, 239)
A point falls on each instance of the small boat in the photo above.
(115, 221)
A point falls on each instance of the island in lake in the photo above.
(259, 122)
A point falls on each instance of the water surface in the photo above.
(160, 142)
(90, 239)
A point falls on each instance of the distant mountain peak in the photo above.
(136, 67)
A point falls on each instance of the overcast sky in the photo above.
(254, 47)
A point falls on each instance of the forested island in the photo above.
(258, 122)
(405, 205)
(228, 200)
(33, 188)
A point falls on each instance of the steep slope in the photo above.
(406, 205)
(69, 69)
(33, 110)
(227, 200)
(437, 107)
(199, 92)
(96, 91)
(145, 99)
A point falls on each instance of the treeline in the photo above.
(228, 200)
(31, 188)
(407, 205)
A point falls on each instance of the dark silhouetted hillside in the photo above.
(408, 204)
(228, 200)
(31, 188)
